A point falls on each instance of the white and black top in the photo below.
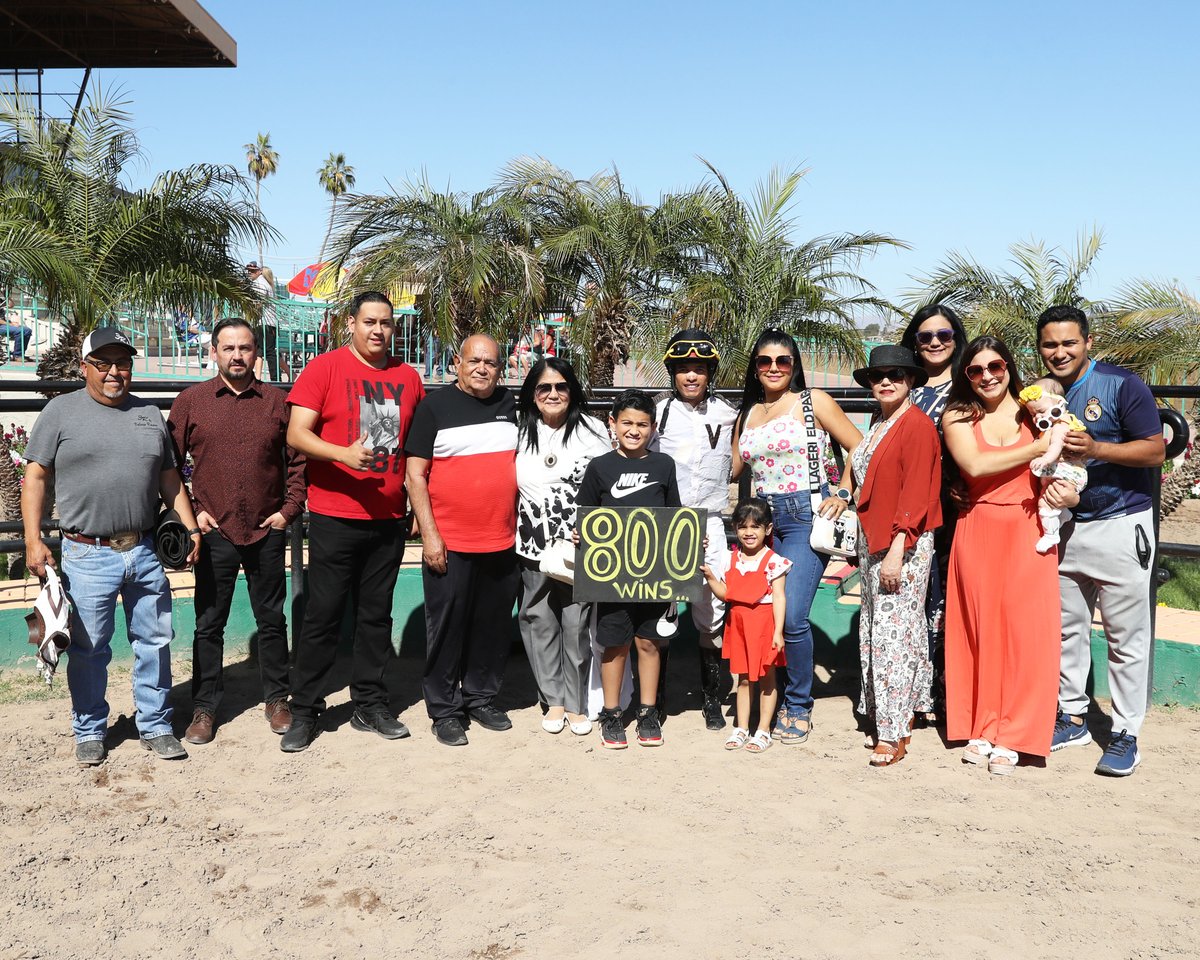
(547, 481)
(698, 439)
(616, 481)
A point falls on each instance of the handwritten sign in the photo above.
(639, 554)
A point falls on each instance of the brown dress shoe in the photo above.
(200, 730)
(280, 715)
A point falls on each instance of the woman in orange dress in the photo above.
(1003, 614)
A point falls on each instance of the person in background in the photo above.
(695, 429)
(897, 471)
(936, 337)
(556, 441)
(773, 441)
(264, 289)
(18, 335)
(1108, 547)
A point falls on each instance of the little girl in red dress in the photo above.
(752, 588)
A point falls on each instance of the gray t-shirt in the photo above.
(106, 461)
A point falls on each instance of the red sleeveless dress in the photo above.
(749, 624)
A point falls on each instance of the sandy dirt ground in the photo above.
(530, 845)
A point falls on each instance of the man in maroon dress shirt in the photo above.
(247, 486)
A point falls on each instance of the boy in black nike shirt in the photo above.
(630, 476)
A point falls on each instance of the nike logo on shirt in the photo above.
(629, 483)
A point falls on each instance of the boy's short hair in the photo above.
(1063, 313)
(752, 510)
(637, 400)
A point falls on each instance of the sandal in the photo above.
(791, 732)
(887, 754)
(977, 751)
(737, 739)
(760, 742)
(1003, 762)
(781, 723)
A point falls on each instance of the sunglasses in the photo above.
(544, 390)
(895, 375)
(1048, 418)
(765, 363)
(103, 366)
(926, 337)
(975, 371)
(692, 350)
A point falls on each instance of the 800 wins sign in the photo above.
(642, 554)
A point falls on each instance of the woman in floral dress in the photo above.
(897, 470)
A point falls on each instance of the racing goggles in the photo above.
(1048, 418)
(692, 350)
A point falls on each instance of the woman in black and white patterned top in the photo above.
(556, 443)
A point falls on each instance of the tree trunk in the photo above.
(328, 230)
(258, 207)
(10, 481)
(1178, 482)
(61, 361)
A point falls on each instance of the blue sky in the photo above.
(953, 126)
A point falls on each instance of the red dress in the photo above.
(749, 623)
(1003, 627)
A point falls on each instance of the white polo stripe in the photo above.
(499, 436)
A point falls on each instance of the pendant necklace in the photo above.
(551, 458)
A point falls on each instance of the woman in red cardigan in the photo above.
(898, 472)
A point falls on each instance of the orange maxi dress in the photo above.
(1003, 616)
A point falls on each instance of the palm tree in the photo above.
(468, 256)
(262, 160)
(90, 246)
(1007, 305)
(1157, 328)
(745, 274)
(336, 176)
(609, 257)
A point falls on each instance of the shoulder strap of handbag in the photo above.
(814, 449)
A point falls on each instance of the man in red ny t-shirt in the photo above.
(351, 410)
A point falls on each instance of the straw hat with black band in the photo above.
(891, 357)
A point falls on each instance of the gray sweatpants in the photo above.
(1099, 565)
(556, 633)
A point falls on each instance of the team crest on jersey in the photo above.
(1093, 411)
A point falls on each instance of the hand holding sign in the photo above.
(638, 554)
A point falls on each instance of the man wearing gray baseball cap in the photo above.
(110, 459)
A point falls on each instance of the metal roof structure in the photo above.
(85, 34)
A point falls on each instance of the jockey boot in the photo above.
(713, 686)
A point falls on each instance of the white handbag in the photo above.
(837, 538)
(558, 561)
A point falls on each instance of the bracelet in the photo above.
(196, 530)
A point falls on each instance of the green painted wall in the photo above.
(835, 639)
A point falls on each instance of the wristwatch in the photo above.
(842, 494)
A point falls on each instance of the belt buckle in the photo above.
(124, 542)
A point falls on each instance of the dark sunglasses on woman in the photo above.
(895, 375)
(545, 389)
(926, 337)
(996, 368)
(764, 363)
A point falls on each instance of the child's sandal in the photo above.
(760, 742)
(737, 739)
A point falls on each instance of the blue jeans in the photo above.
(95, 577)
(18, 335)
(793, 526)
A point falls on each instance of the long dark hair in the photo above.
(752, 390)
(528, 415)
(963, 398)
(909, 337)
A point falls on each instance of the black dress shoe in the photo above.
(490, 718)
(301, 733)
(450, 732)
(378, 720)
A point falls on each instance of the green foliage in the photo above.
(91, 246)
(336, 176)
(1182, 591)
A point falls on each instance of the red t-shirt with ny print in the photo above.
(351, 397)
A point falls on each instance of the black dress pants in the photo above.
(216, 577)
(468, 614)
(359, 560)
